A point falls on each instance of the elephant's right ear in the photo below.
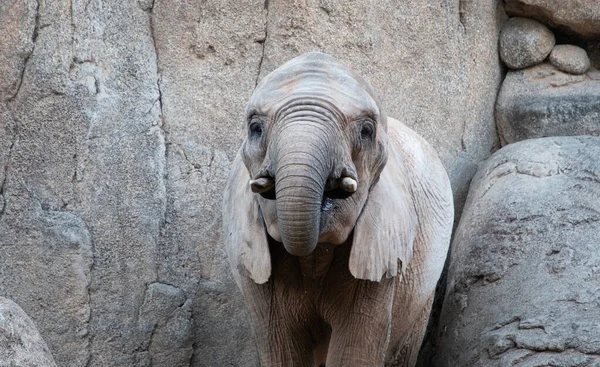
(244, 233)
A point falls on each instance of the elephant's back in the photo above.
(415, 150)
(424, 170)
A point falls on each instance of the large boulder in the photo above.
(21, 345)
(580, 17)
(525, 262)
(543, 101)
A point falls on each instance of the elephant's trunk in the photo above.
(303, 166)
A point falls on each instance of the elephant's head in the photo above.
(316, 146)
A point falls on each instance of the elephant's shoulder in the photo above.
(425, 173)
(413, 149)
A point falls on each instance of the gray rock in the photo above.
(570, 59)
(83, 189)
(523, 277)
(46, 260)
(17, 23)
(543, 101)
(21, 345)
(166, 320)
(525, 42)
(579, 17)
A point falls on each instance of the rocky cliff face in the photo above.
(119, 120)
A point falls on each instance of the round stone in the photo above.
(570, 59)
(525, 42)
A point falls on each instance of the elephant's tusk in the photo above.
(348, 184)
(261, 184)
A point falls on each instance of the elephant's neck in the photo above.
(317, 263)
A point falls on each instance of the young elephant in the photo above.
(336, 221)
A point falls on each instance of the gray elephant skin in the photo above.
(336, 220)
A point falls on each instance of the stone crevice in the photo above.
(144, 347)
(161, 125)
(34, 36)
(541, 349)
(462, 14)
(512, 320)
(89, 300)
(264, 44)
(5, 178)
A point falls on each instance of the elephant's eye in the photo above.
(256, 129)
(367, 130)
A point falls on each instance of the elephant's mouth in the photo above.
(327, 207)
(331, 200)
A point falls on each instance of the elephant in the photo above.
(336, 221)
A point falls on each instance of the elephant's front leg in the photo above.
(282, 345)
(280, 319)
(361, 322)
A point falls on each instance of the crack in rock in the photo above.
(5, 178)
(264, 44)
(161, 125)
(34, 36)
(462, 19)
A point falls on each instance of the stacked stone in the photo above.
(550, 90)
(525, 42)
(524, 267)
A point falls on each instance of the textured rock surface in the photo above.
(524, 271)
(20, 342)
(581, 17)
(524, 42)
(46, 258)
(570, 59)
(543, 101)
(165, 319)
(118, 122)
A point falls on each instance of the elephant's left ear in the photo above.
(244, 233)
(385, 230)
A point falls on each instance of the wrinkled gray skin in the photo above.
(326, 197)
(317, 122)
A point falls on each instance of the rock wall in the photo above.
(118, 122)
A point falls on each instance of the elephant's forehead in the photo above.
(314, 76)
